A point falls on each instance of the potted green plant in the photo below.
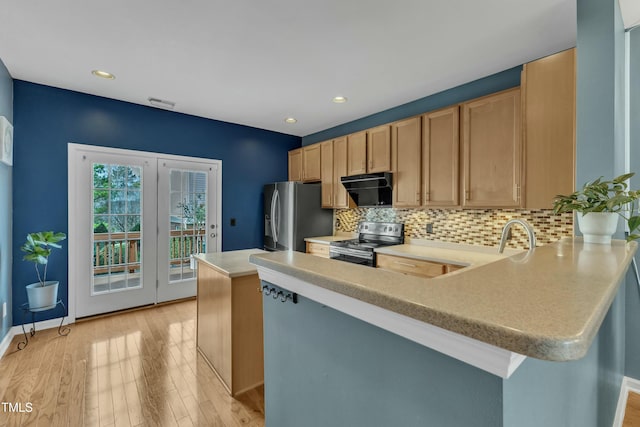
(43, 294)
(599, 204)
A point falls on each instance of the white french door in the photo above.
(135, 218)
(187, 222)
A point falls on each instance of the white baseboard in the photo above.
(628, 384)
(6, 342)
(17, 330)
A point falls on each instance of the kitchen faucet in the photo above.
(525, 225)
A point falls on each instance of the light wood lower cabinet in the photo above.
(229, 322)
(415, 267)
(318, 249)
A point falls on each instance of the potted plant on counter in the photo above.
(43, 294)
(599, 204)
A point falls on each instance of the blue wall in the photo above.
(582, 393)
(325, 368)
(632, 362)
(6, 172)
(494, 83)
(46, 119)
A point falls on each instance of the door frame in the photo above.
(73, 176)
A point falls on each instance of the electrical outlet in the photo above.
(429, 228)
(4, 310)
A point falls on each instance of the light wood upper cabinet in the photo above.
(311, 163)
(549, 102)
(357, 153)
(341, 198)
(440, 157)
(491, 155)
(326, 173)
(295, 165)
(379, 149)
(406, 148)
(304, 164)
(369, 151)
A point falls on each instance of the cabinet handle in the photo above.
(517, 192)
(467, 195)
(426, 196)
(370, 164)
(362, 166)
(406, 264)
(417, 196)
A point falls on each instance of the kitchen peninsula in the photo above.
(229, 329)
(353, 350)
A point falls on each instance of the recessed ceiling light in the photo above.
(103, 74)
(339, 99)
(290, 120)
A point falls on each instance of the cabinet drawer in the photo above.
(318, 249)
(412, 266)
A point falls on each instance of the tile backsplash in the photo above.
(471, 226)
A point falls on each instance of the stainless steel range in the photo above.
(371, 235)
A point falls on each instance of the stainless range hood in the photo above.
(370, 190)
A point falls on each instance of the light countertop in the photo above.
(548, 304)
(447, 253)
(231, 263)
(329, 239)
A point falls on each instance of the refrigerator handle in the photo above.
(274, 198)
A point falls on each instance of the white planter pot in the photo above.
(598, 227)
(42, 297)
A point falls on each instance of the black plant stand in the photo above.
(26, 309)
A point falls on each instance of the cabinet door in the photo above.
(379, 149)
(357, 153)
(341, 198)
(311, 163)
(326, 173)
(492, 151)
(406, 147)
(440, 154)
(549, 92)
(295, 165)
(318, 249)
(415, 267)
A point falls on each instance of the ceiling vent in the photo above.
(161, 103)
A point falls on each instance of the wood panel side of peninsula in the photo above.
(230, 336)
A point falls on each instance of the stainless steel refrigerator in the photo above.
(292, 212)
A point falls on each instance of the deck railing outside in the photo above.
(118, 252)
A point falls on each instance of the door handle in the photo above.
(273, 213)
(212, 235)
(275, 218)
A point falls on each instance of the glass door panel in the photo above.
(187, 221)
(116, 232)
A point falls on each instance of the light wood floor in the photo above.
(632, 411)
(132, 369)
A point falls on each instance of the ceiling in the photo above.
(257, 62)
